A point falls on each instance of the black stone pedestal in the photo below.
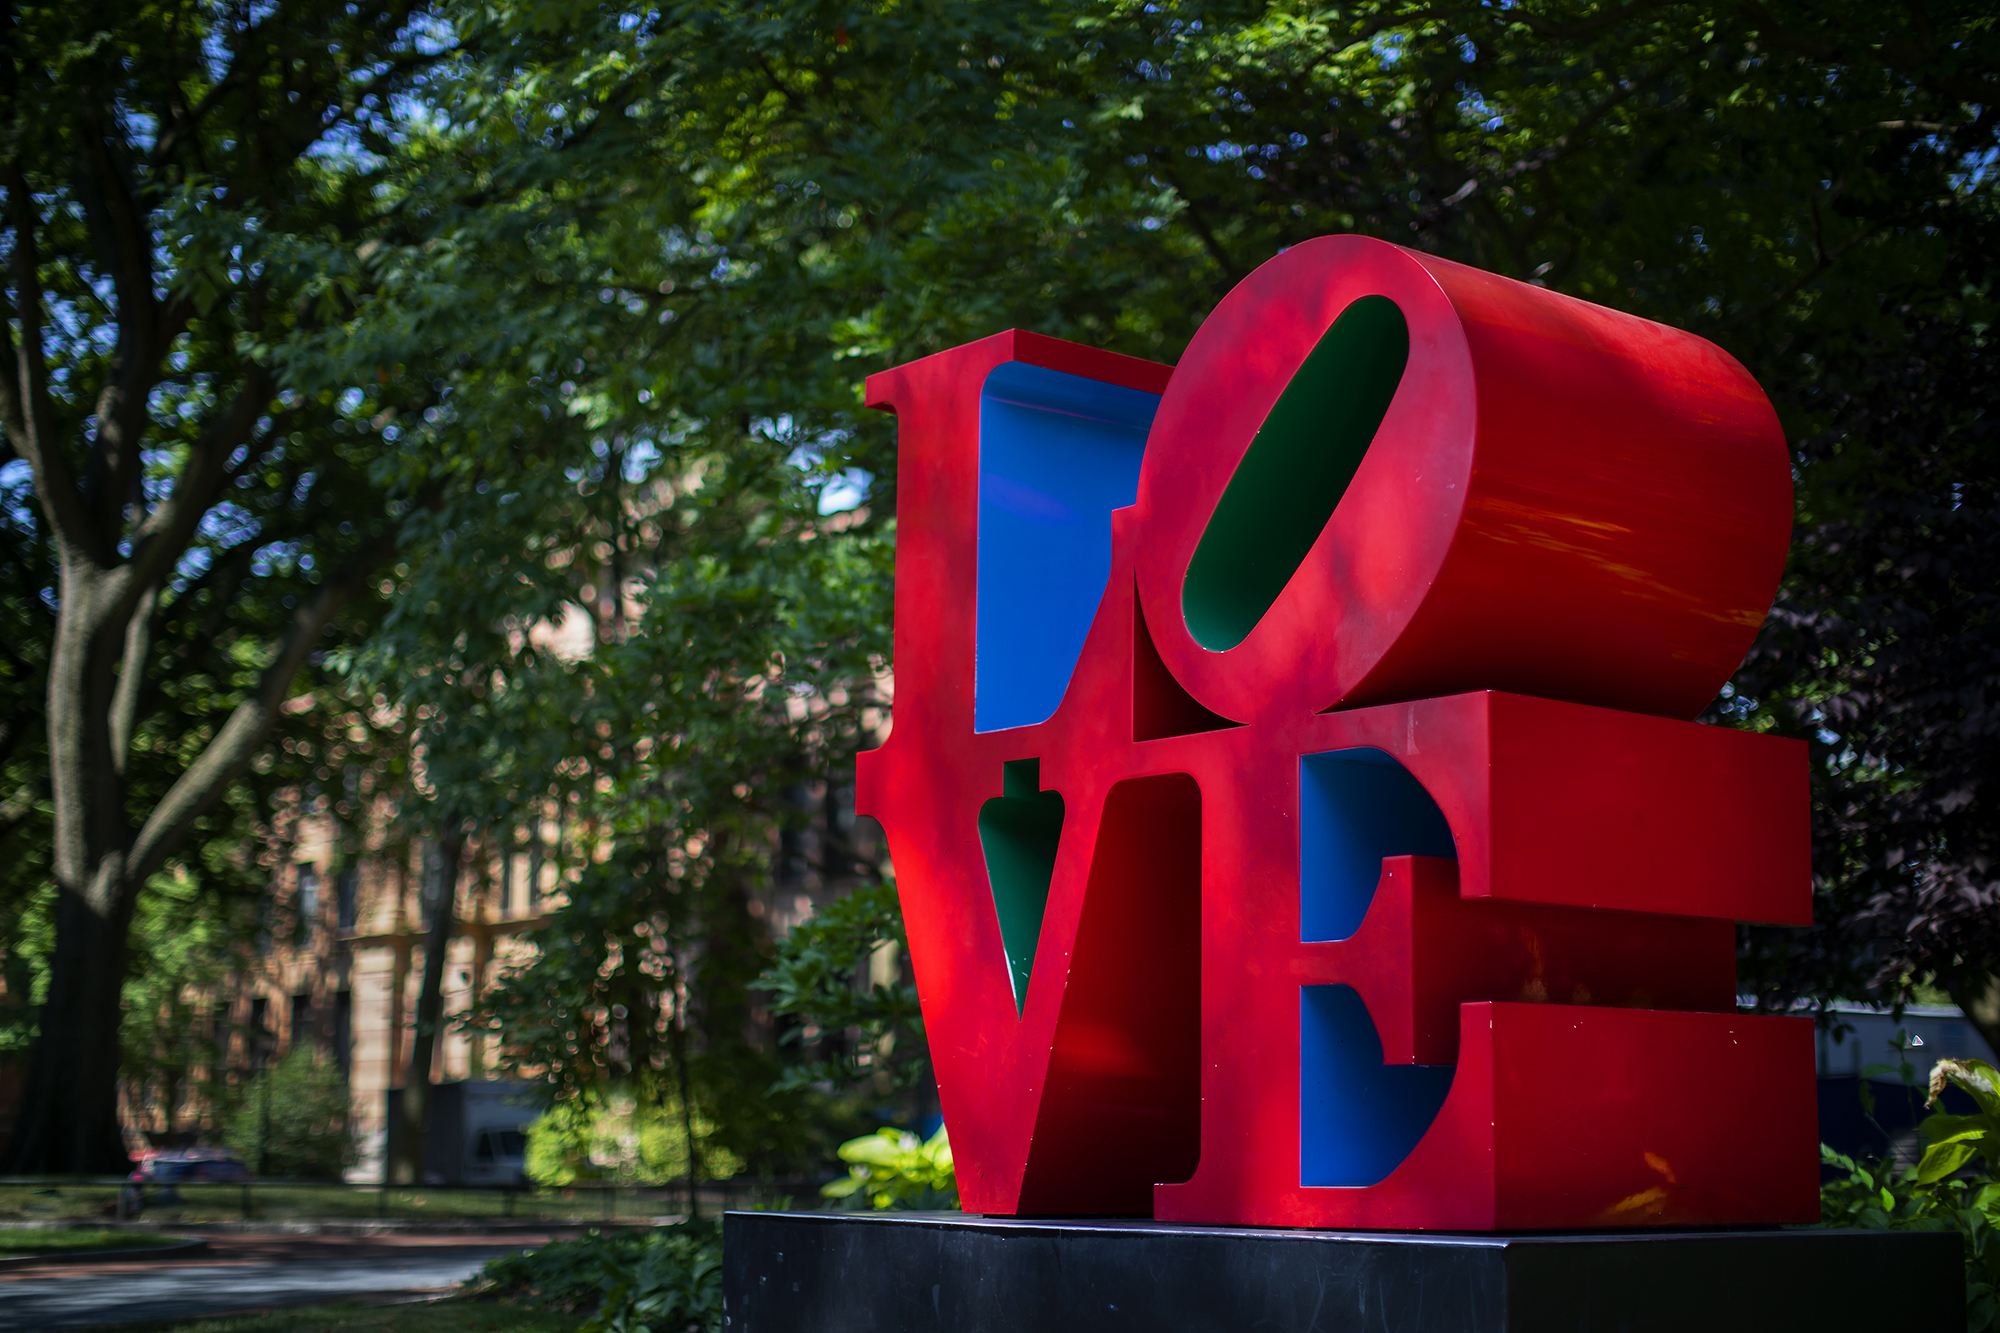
(919, 1272)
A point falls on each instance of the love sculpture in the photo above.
(1291, 788)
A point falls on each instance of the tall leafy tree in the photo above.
(844, 187)
(188, 198)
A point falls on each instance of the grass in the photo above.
(41, 1242)
(442, 1316)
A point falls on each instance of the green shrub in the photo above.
(893, 1168)
(291, 1120)
(1952, 1188)
(618, 1139)
(662, 1280)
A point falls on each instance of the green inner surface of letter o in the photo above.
(1294, 473)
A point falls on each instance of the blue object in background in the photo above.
(1356, 807)
(1358, 1118)
(1057, 453)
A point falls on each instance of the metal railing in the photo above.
(601, 1202)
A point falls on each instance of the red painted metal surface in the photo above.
(1561, 540)
(1562, 501)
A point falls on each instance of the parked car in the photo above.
(186, 1165)
(167, 1170)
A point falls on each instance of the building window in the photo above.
(308, 900)
(343, 1030)
(348, 893)
(302, 1006)
(259, 1041)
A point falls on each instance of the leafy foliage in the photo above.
(1935, 1194)
(188, 935)
(813, 980)
(1957, 1139)
(199, 485)
(453, 325)
(292, 1119)
(1884, 651)
(894, 1168)
(663, 1280)
(621, 1141)
(774, 198)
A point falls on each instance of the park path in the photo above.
(244, 1273)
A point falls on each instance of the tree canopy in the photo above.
(349, 345)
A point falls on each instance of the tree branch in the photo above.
(1828, 258)
(24, 399)
(1589, 27)
(166, 532)
(117, 227)
(132, 675)
(197, 789)
(1209, 241)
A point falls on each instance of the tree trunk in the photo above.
(69, 1113)
(406, 1137)
(677, 1037)
(69, 1110)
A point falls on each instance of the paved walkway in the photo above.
(243, 1273)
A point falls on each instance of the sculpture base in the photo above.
(918, 1272)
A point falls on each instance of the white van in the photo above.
(478, 1133)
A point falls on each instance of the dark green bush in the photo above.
(291, 1120)
(662, 1280)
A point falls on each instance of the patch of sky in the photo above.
(1975, 168)
(215, 42)
(156, 480)
(351, 400)
(194, 562)
(1474, 108)
(342, 130)
(229, 524)
(275, 558)
(1388, 48)
(430, 35)
(17, 489)
(1223, 152)
(641, 457)
(838, 489)
(141, 127)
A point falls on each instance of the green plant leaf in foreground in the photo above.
(1951, 1189)
(894, 1168)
